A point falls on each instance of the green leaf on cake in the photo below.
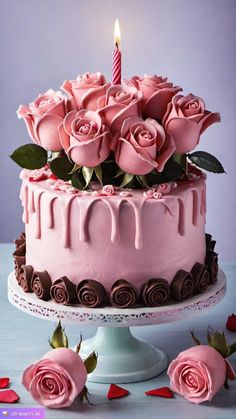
(59, 338)
(172, 170)
(78, 181)
(98, 173)
(91, 362)
(30, 156)
(143, 181)
(206, 161)
(87, 173)
(119, 173)
(75, 169)
(61, 167)
(128, 177)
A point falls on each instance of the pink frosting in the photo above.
(157, 93)
(57, 379)
(197, 373)
(90, 235)
(85, 91)
(43, 117)
(118, 104)
(186, 119)
(84, 137)
(36, 175)
(142, 146)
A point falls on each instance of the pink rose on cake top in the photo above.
(139, 130)
(142, 146)
(119, 104)
(84, 137)
(157, 93)
(42, 118)
(186, 119)
(85, 91)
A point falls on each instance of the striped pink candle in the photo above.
(116, 56)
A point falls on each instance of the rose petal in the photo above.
(9, 396)
(165, 392)
(116, 392)
(4, 382)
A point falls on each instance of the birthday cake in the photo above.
(114, 199)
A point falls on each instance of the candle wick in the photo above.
(117, 46)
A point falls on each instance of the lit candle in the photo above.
(116, 56)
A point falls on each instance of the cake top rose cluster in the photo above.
(137, 134)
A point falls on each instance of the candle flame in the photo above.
(117, 37)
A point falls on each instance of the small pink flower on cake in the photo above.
(85, 139)
(108, 190)
(142, 146)
(35, 175)
(186, 119)
(164, 188)
(85, 91)
(57, 379)
(157, 93)
(43, 117)
(118, 104)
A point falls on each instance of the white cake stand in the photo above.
(122, 358)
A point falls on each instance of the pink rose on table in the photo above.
(197, 373)
(186, 119)
(85, 139)
(57, 379)
(43, 117)
(157, 93)
(142, 146)
(85, 91)
(119, 104)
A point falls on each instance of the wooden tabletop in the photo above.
(24, 340)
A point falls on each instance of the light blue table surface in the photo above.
(23, 340)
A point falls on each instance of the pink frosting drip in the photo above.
(90, 227)
(31, 200)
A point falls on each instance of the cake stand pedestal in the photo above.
(122, 358)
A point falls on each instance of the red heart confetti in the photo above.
(9, 396)
(115, 392)
(231, 323)
(230, 374)
(4, 382)
(160, 392)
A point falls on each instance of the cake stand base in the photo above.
(122, 357)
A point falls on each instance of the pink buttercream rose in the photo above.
(108, 190)
(85, 139)
(142, 146)
(164, 188)
(57, 379)
(85, 91)
(197, 373)
(157, 93)
(186, 119)
(118, 104)
(43, 117)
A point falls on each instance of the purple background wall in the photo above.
(192, 42)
